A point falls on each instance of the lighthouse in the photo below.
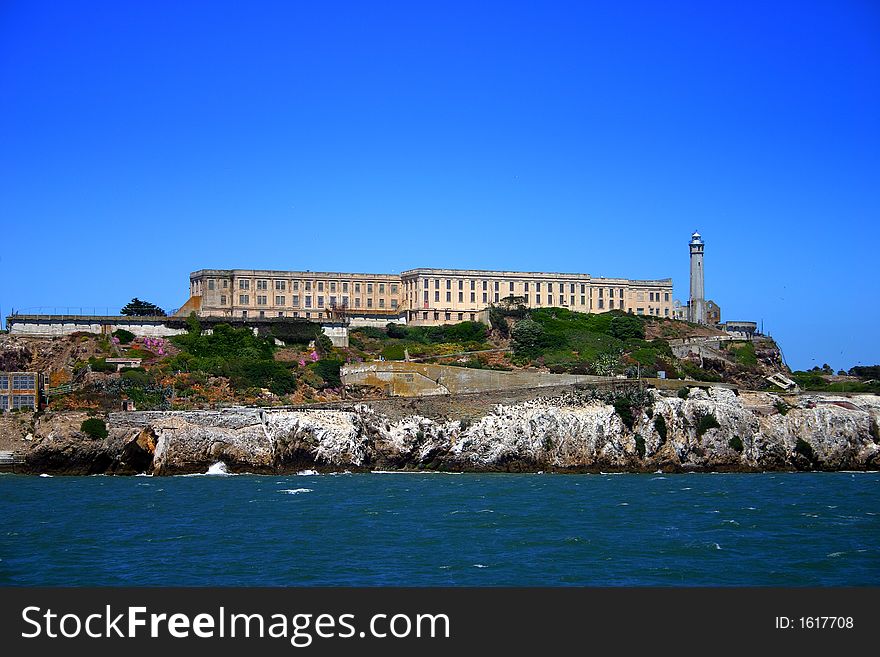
(697, 303)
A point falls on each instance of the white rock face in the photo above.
(749, 432)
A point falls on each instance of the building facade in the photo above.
(697, 303)
(19, 390)
(418, 296)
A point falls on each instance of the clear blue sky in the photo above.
(142, 141)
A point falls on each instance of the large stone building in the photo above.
(417, 296)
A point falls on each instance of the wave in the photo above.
(45, 475)
(296, 491)
(416, 472)
(306, 473)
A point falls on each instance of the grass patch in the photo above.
(660, 426)
(95, 428)
(736, 444)
(706, 422)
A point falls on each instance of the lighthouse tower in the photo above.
(697, 303)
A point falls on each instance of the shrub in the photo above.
(705, 422)
(101, 365)
(323, 344)
(328, 370)
(394, 352)
(640, 446)
(498, 320)
(370, 332)
(396, 330)
(94, 427)
(137, 375)
(735, 444)
(296, 332)
(626, 327)
(660, 426)
(805, 449)
(124, 337)
(781, 407)
(623, 406)
(684, 392)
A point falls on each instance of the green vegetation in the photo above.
(124, 337)
(94, 428)
(245, 359)
(420, 341)
(805, 449)
(138, 308)
(693, 371)
(101, 365)
(736, 444)
(640, 446)
(781, 407)
(744, 352)
(296, 332)
(328, 370)
(705, 422)
(684, 392)
(660, 426)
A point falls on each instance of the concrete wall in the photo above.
(57, 325)
(402, 379)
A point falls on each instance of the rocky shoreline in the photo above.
(569, 432)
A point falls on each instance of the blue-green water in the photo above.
(439, 529)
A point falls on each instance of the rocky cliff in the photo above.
(569, 432)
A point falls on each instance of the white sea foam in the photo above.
(296, 491)
(480, 565)
(717, 547)
(219, 468)
(306, 473)
(45, 475)
(143, 474)
(623, 504)
(657, 478)
(835, 554)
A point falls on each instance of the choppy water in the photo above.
(439, 529)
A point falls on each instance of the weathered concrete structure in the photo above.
(697, 302)
(402, 379)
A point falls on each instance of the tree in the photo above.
(138, 308)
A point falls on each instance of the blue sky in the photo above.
(142, 141)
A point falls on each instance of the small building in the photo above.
(713, 313)
(19, 390)
(739, 328)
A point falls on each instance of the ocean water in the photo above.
(382, 529)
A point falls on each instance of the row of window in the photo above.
(496, 285)
(19, 382)
(17, 401)
(263, 300)
(320, 286)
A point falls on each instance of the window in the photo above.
(611, 303)
(561, 298)
(460, 297)
(473, 297)
(222, 299)
(511, 286)
(345, 287)
(436, 296)
(460, 316)
(244, 284)
(22, 401)
(572, 300)
(526, 298)
(296, 314)
(394, 288)
(24, 382)
(460, 284)
(320, 286)
(262, 285)
(601, 303)
(261, 299)
(436, 315)
(496, 297)
(320, 302)
(369, 302)
(381, 302)
(650, 296)
(394, 303)
(485, 286)
(357, 302)
(425, 285)
(473, 317)
(583, 289)
(473, 285)
(666, 312)
(436, 283)
(583, 300)
(496, 286)
(280, 285)
(308, 286)
(600, 294)
(447, 316)
(262, 313)
(538, 286)
(620, 293)
(572, 290)
(210, 283)
(526, 286)
(448, 297)
(485, 297)
(332, 302)
(279, 301)
(640, 311)
(448, 284)
(537, 299)
(225, 283)
(666, 296)
(308, 301)
(345, 301)
(4, 403)
(381, 288)
(357, 288)
(244, 313)
(295, 300)
(244, 299)
(426, 296)
(550, 289)
(369, 288)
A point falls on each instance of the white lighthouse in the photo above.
(697, 303)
